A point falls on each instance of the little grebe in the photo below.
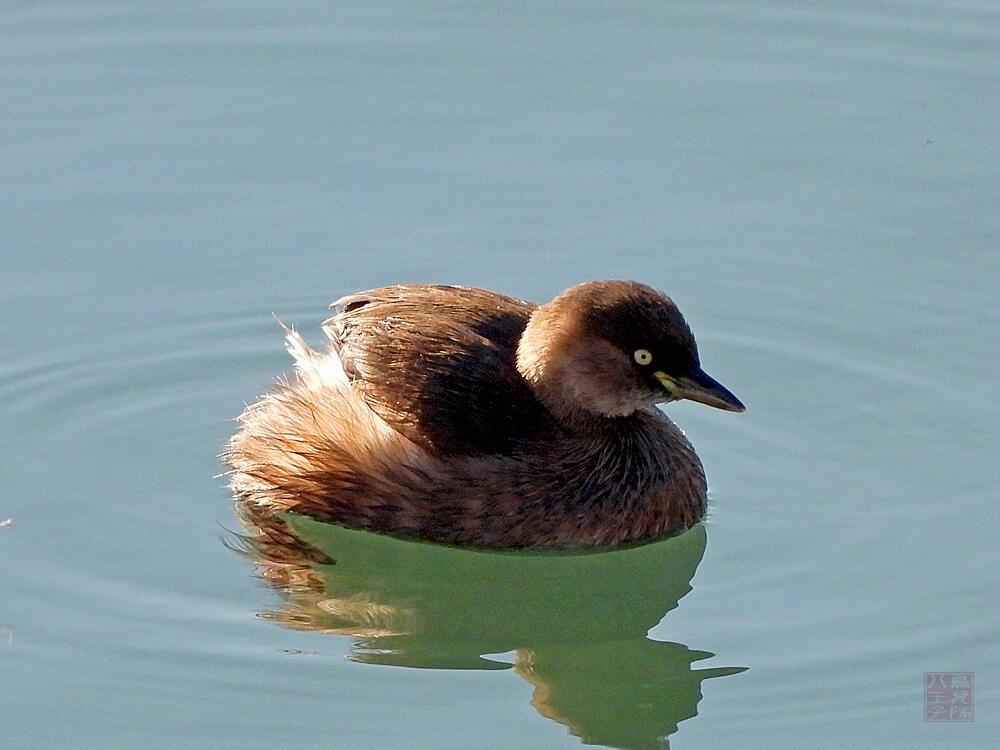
(464, 416)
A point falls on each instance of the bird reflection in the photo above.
(572, 625)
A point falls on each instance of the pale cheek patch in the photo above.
(668, 384)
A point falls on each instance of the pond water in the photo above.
(816, 185)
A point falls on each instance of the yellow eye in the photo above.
(643, 356)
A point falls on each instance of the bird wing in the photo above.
(438, 363)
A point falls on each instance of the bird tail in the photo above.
(313, 368)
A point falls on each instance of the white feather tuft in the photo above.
(314, 369)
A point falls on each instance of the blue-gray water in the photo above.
(815, 184)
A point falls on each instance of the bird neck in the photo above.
(563, 368)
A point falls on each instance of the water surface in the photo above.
(816, 187)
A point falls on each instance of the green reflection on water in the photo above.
(576, 623)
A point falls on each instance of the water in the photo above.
(816, 186)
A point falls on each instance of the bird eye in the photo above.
(643, 356)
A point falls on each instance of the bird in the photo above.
(467, 417)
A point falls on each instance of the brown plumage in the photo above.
(465, 416)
